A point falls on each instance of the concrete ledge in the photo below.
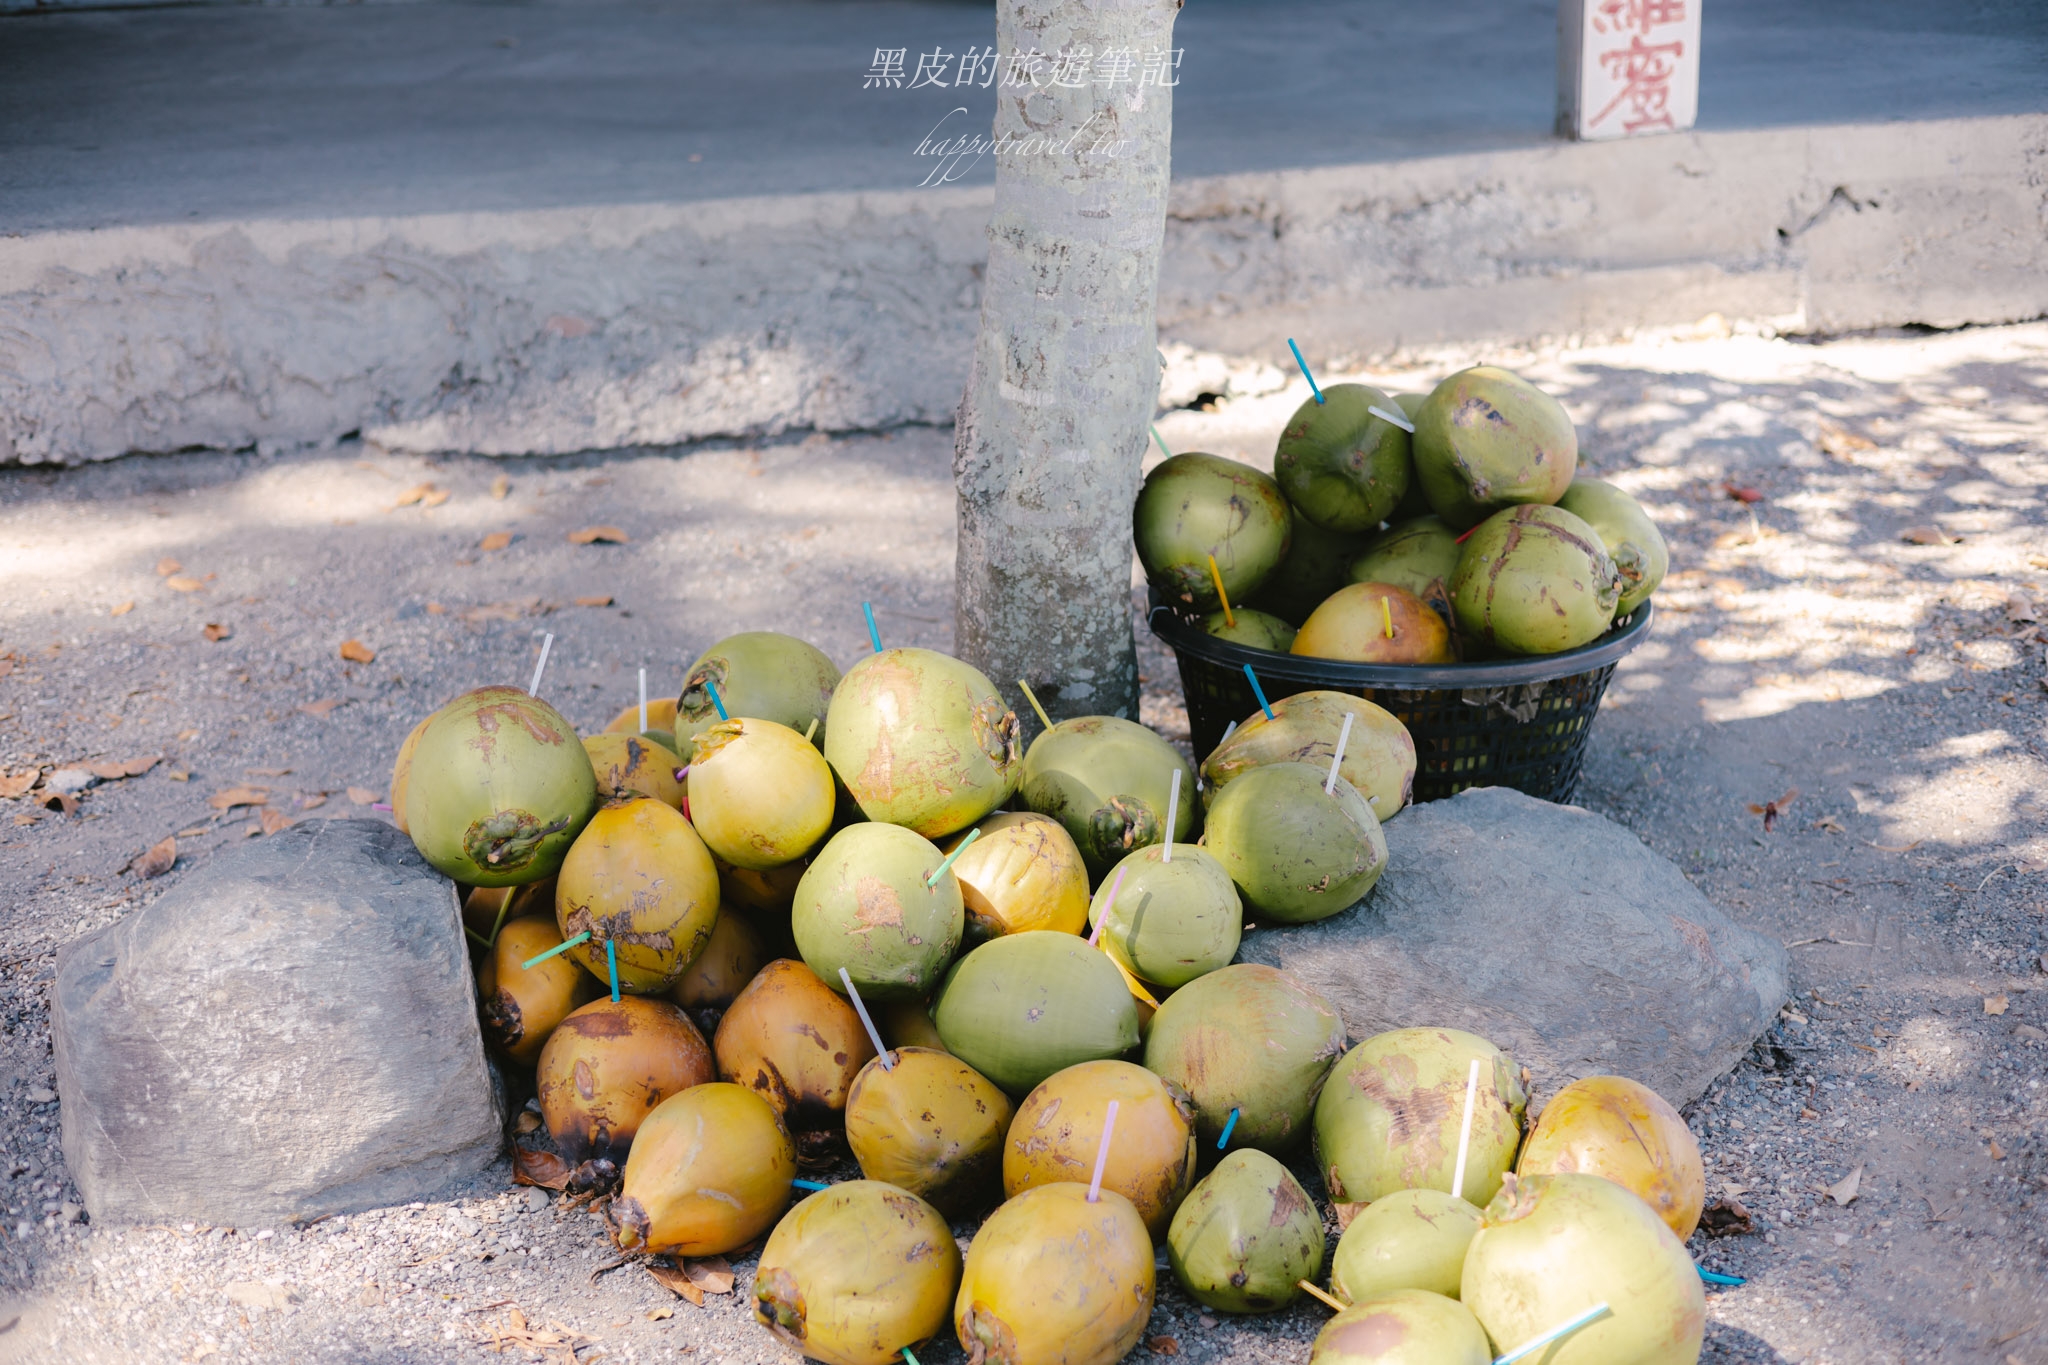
(555, 330)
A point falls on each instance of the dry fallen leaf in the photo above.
(496, 540)
(58, 801)
(356, 652)
(180, 583)
(676, 1281)
(160, 858)
(417, 493)
(1742, 493)
(177, 774)
(545, 1169)
(312, 800)
(1830, 824)
(1843, 443)
(113, 772)
(710, 1274)
(1927, 535)
(500, 486)
(238, 796)
(436, 609)
(215, 632)
(1163, 1346)
(604, 601)
(1726, 1218)
(591, 535)
(123, 609)
(2018, 608)
(1994, 1004)
(1844, 1191)
(18, 784)
(167, 566)
(1898, 848)
(527, 1122)
(1997, 1152)
(362, 796)
(322, 708)
(435, 498)
(660, 1314)
(272, 820)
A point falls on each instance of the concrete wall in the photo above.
(558, 330)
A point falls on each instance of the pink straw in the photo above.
(1108, 901)
(1102, 1153)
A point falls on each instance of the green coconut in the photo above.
(1414, 503)
(1632, 540)
(1390, 1115)
(1246, 1237)
(1418, 555)
(1343, 468)
(857, 1272)
(1108, 781)
(1023, 1006)
(1411, 1239)
(1312, 569)
(1249, 1038)
(1168, 921)
(1534, 580)
(1379, 755)
(864, 905)
(1193, 506)
(760, 675)
(1296, 852)
(922, 740)
(1403, 1327)
(498, 788)
(1487, 439)
(1251, 627)
(1555, 1246)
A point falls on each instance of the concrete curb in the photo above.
(552, 331)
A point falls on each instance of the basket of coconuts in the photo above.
(1438, 554)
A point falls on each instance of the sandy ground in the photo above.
(1805, 641)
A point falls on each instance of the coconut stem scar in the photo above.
(868, 1023)
(611, 962)
(1259, 692)
(1591, 1315)
(1032, 697)
(1328, 1301)
(547, 643)
(1304, 371)
(1337, 759)
(867, 609)
(1216, 577)
(1102, 1154)
(717, 702)
(972, 835)
(1107, 901)
(1228, 1128)
(559, 948)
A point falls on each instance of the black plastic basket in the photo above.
(1518, 723)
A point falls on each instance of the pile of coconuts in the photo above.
(681, 931)
(1473, 537)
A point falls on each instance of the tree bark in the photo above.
(1065, 374)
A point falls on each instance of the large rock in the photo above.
(1550, 930)
(290, 1031)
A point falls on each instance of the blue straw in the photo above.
(1304, 370)
(874, 636)
(1563, 1329)
(810, 1184)
(532, 962)
(1259, 692)
(611, 960)
(908, 1358)
(1161, 439)
(1714, 1277)
(717, 701)
(1228, 1129)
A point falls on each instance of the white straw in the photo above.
(1398, 419)
(1343, 738)
(1102, 1153)
(643, 701)
(1228, 731)
(1465, 1131)
(1172, 816)
(533, 688)
(1527, 1348)
(874, 1034)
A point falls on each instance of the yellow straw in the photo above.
(1033, 699)
(1333, 1303)
(812, 730)
(1217, 576)
(1136, 989)
(1387, 615)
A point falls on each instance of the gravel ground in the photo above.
(1805, 642)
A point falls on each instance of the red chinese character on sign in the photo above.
(1637, 16)
(1645, 71)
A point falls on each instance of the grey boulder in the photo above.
(290, 1031)
(1552, 931)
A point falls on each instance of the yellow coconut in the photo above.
(1621, 1129)
(856, 1273)
(1379, 755)
(606, 1067)
(711, 1173)
(485, 908)
(1053, 1279)
(1375, 623)
(1022, 872)
(522, 1005)
(932, 1125)
(760, 794)
(908, 1023)
(639, 879)
(1058, 1131)
(635, 765)
(731, 957)
(661, 715)
(797, 1043)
